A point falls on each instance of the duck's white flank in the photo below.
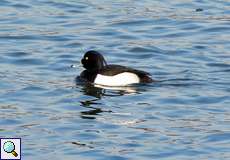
(121, 79)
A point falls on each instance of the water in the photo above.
(184, 45)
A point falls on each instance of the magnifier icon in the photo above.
(9, 147)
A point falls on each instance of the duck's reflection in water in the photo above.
(98, 92)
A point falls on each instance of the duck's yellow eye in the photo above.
(86, 58)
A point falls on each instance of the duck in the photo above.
(98, 72)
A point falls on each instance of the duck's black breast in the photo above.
(112, 70)
(88, 76)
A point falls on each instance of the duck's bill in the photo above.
(76, 66)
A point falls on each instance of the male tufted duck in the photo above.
(99, 72)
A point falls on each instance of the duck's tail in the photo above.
(146, 79)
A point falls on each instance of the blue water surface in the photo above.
(185, 45)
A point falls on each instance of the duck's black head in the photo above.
(93, 61)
